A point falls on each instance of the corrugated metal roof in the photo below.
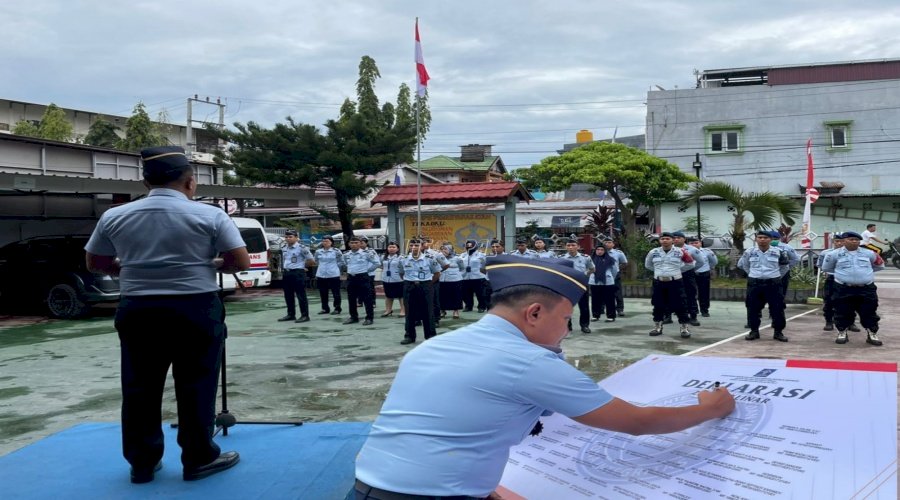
(442, 162)
(491, 192)
(848, 72)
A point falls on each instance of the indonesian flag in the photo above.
(421, 73)
(812, 194)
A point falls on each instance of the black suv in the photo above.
(52, 270)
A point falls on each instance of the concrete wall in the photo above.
(776, 122)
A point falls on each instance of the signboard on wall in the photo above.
(455, 228)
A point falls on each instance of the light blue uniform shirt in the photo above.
(329, 263)
(820, 260)
(377, 258)
(421, 268)
(793, 258)
(852, 268)
(392, 268)
(165, 243)
(609, 278)
(546, 254)
(761, 265)
(474, 262)
(294, 257)
(694, 253)
(664, 264)
(453, 273)
(361, 261)
(706, 261)
(582, 263)
(527, 254)
(620, 257)
(445, 431)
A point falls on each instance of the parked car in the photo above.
(51, 270)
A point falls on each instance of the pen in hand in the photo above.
(715, 386)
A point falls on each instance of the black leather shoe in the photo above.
(667, 320)
(753, 335)
(853, 328)
(406, 341)
(829, 326)
(704, 314)
(620, 313)
(225, 461)
(467, 310)
(482, 310)
(367, 322)
(693, 321)
(287, 318)
(324, 312)
(585, 329)
(336, 311)
(303, 319)
(350, 321)
(140, 476)
(780, 337)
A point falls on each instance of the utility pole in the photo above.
(190, 142)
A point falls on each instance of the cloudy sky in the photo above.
(523, 75)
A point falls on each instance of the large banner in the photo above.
(801, 429)
(455, 228)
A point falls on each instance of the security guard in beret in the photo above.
(585, 265)
(763, 267)
(703, 270)
(793, 260)
(688, 276)
(421, 273)
(523, 251)
(854, 287)
(439, 257)
(611, 249)
(666, 262)
(295, 259)
(359, 264)
(364, 246)
(166, 250)
(828, 287)
(461, 400)
(474, 282)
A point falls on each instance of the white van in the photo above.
(377, 238)
(258, 246)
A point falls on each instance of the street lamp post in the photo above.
(697, 166)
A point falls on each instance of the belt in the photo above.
(294, 270)
(416, 283)
(763, 280)
(357, 275)
(851, 285)
(668, 278)
(379, 494)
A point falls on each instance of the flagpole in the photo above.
(418, 168)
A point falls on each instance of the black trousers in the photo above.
(703, 291)
(668, 298)
(419, 307)
(828, 299)
(186, 332)
(852, 300)
(761, 292)
(358, 289)
(690, 292)
(293, 282)
(474, 288)
(436, 301)
(584, 311)
(785, 283)
(603, 298)
(332, 285)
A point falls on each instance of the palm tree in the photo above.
(752, 211)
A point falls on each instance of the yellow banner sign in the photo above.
(456, 228)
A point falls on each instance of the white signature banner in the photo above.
(801, 429)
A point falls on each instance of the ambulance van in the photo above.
(258, 246)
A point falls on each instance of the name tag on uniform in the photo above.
(422, 275)
(294, 259)
(388, 273)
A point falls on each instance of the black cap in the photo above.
(164, 164)
(363, 238)
(521, 241)
(763, 233)
(852, 234)
(667, 234)
(539, 238)
(838, 236)
(560, 277)
(691, 239)
(677, 234)
(291, 232)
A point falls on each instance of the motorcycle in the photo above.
(892, 254)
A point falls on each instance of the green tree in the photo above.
(54, 125)
(364, 139)
(689, 225)
(752, 211)
(140, 131)
(26, 128)
(625, 173)
(102, 133)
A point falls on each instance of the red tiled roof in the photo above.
(496, 192)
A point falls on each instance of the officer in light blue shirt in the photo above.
(855, 292)
(793, 260)
(828, 287)
(421, 272)
(445, 431)
(540, 248)
(474, 281)
(329, 261)
(689, 277)
(166, 250)
(703, 272)
(582, 264)
(623, 261)
(666, 262)
(763, 267)
(359, 264)
(523, 251)
(295, 258)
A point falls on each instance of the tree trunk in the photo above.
(737, 246)
(345, 216)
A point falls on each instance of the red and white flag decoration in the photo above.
(421, 73)
(812, 194)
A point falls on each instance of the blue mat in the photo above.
(314, 461)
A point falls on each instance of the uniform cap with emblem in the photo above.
(164, 164)
(291, 232)
(691, 239)
(677, 234)
(560, 277)
(838, 236)
(775, 235)
(667, 234)
(852, 234)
